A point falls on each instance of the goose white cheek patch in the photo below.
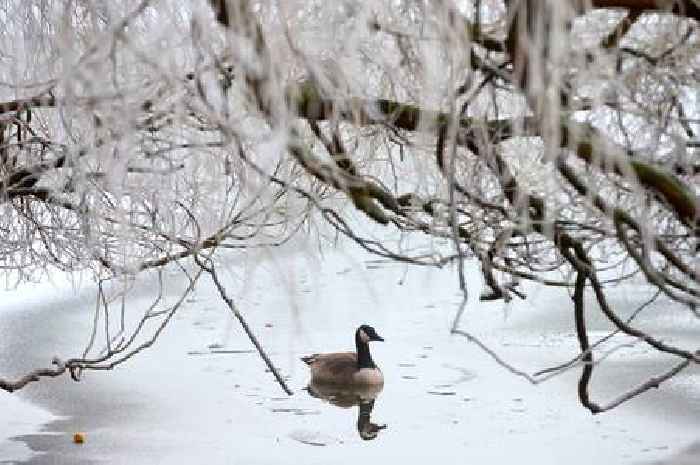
(363, 336)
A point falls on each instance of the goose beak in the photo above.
(377, 337)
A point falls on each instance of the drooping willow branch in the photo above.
(211, 270)
(110, 356)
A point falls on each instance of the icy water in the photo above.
(201, 395)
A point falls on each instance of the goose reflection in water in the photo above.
(346, 397)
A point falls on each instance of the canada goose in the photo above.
(348, 368)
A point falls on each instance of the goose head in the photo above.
(366, 333)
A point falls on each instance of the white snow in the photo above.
(188, 400)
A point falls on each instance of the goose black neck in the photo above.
(364, 359)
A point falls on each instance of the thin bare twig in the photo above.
(209, 268)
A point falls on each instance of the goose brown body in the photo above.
(341, 368)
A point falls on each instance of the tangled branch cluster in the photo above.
(556, 142)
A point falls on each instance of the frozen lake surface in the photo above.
(201, 395)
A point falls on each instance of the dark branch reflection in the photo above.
(345, 397)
